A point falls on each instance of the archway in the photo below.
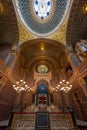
(42, 94)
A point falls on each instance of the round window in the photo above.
(42, 69)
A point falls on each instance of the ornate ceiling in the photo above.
(77, 24)
(70, 28)
(8, 23)
(42, 50)
(42, 26)
(59, 35)
(31, 27)
(75, 30)
(34, 49)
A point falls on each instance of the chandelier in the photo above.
(21, 85)
(64, 86)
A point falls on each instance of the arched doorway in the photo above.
(42, 94)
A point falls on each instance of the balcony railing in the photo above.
(27, 121)
(80, 71)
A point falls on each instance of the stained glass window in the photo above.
(42, 69)
(42, 8)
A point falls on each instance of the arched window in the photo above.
(42, 69)
(42, 97)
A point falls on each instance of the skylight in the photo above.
(42, 8)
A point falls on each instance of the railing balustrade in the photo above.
(27, 121)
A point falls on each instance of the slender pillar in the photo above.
(11, 58)
(73, 59)
(75, 62)
(2, 83)
(18, 107)
(83, 85)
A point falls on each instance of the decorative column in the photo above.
(23, 74)
(20, 87)
(75, 62)
(2, 83)
(64, 87)
(11, 58)
(58, 72)
(72, 58)
(83, 85)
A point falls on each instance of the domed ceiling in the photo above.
(77, 24)
(42, 18)
(43, 50)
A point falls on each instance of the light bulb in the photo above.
(63, 80)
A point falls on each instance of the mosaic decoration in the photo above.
(42, 8)
(38, 21)
(8, 24)
(77, 24)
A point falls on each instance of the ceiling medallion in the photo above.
(42, 8)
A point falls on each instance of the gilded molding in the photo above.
(60, 35)
(24, 35)
(27, 44)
